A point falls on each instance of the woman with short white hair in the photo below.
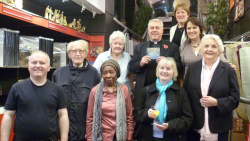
(213, 91)
(116, 52)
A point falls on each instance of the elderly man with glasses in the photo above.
(77, 79)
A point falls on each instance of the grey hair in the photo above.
(155, 20)
(218, 41)
(117, 35)
(84, 44)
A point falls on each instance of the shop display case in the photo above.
(59, 54)
(26, 46)
(9, 40)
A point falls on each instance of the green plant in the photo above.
(218, 12)
(141, 18)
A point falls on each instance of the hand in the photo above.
(159, 58)
(208, 101)
(145, 60)
(164, 126)
(233, 66)
(151, 114)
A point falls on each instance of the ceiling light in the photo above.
(64, 0)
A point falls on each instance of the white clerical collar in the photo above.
(155, 42)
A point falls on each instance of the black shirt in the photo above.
(178, 35)
(151, 71)
(36, 108)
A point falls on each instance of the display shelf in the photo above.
(39, 21)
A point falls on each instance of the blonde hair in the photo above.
(82, 43)
(155, 20)
(117, 35)
(183, 6)
(40, 52)
(168, 60)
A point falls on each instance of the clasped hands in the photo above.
(146, 60)
(208, 101)
(152, 115)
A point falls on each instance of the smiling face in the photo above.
(193, 31)
(181, 15)
(211, 50)
(165, 72)
(155, 31)
(117, 46)
(77, 54)
(38, 66)
(109, 76)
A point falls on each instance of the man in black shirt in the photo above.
(143, 65)
(38, 103)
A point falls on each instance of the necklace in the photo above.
(181, 29)
(195, 45)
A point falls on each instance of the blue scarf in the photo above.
(162, 104)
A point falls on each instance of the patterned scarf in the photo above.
(121, 121)
(163, 104)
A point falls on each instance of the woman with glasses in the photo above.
(116, 52)
(77, 79)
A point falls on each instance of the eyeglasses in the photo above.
(75, 51)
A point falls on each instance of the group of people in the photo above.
(86, 102)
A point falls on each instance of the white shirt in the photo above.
(206, 77)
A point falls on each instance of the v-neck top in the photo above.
(188, 55)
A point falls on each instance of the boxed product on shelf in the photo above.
(46, 45)
(59, 54)
(26, 46)
(9, 43)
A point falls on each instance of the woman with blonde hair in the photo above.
(171, 103)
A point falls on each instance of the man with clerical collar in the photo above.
(149, 53)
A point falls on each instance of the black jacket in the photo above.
(223, 86)
(179, 116)
(77, 84)
(140, 50)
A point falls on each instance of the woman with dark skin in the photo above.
(109, 114)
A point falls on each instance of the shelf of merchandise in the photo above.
(29, 17)
(40, 21)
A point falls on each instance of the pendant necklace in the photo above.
(181, 29)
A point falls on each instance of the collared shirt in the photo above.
(206, 77)
(123, 62)
(109, 114)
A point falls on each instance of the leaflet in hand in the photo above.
(153, 52)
